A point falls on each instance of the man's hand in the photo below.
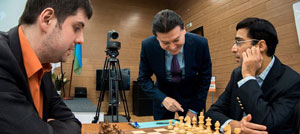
(252, 61)
(172, 105)
(234, 124)
(191, 115)
(251, 128)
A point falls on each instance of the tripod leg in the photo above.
(102, 91)
(113, 91)
(122, 93)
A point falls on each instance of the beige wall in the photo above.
(219, 18)
(132, 19)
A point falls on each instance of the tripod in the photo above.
(112, 73)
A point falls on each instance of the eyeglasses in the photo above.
(239, 42)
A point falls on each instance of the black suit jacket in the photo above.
(272, 105)
(191, 92)
(18, 114)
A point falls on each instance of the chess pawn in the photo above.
(194, 121)
(189, 127)
(217, 127)
(176, 128)
(237, 130)
(189, 132)
(227, 129)
(208, 124)
(170, 127)
(182, 130)
(181, 119)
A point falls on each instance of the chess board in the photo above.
(185, 125)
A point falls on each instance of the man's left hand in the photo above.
(251, 128)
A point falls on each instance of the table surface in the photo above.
(94, 128)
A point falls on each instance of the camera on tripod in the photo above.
(111, 77)
(112, 46)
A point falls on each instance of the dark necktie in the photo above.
(175, 70)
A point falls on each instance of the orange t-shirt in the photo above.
(34, 70)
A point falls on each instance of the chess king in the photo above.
(262, 92)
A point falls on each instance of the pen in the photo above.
(136, 124)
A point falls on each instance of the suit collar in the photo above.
(14, 44)
(159, 58)
(187, 49)
(274, 73)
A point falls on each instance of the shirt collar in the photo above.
(264, 74)
(31, 62)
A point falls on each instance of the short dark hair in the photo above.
(62, 9)
(166, 20)
(260, 29)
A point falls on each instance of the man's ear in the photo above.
(46, 19)
(262, 46)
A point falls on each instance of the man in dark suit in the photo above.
(262, 92)
(48, 31)
(182, 66)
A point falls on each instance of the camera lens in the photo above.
(114, 34)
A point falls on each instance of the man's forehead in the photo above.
(168, 37)
(241, 34)
(78, 17)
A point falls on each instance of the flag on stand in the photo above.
(77, 59)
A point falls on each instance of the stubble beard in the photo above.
(49, 51)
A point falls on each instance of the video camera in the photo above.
(112, 46)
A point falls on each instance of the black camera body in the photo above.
(113, 45)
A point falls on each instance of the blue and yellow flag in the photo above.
(77, 59)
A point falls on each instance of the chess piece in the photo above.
(217, 127)
(176, 128)
(201, 121)
(208, 124)
(237, 130)
(227, 129)
(170, 127)
(188, 132)
(194, 121)
(182, 130)
(187, 120)
(180, 120)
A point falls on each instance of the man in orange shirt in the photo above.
(48, 31)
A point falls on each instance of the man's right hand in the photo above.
(172, 105)
(252, 61)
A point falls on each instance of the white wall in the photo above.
(10, 12)
(296, 8)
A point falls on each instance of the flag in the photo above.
(77, 59)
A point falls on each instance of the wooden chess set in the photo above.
(189, 127)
